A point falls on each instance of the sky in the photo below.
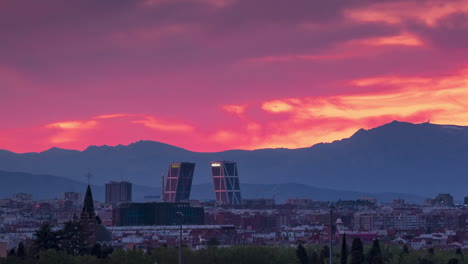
(212, 75)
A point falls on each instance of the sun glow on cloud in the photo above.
(427, 12)
(157, 124)
(73, 125)
(405, 39)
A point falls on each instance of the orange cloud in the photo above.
(412, 95)
(311, 120)
(404, 39)
(303, 57)
(238, 110)
(279, 106)
(427, 12)
(158, 124)
(73, 125)
(70, 131)
(347, 50)
(112, 116)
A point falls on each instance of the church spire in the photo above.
(88, 204)
(88, 220)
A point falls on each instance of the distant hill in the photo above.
(421, 159)
(50, 187)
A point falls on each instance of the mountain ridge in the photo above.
(44, 187)
(423, 159)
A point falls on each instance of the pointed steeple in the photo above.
(88, 204)
(88, 219)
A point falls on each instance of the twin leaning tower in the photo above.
(225, 180)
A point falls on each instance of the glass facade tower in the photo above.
(226, 182)
(118, 192)
(179, 182)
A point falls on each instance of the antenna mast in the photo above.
(88, 177)
(162, 186)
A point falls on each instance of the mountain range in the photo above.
(398, 157)
(50, 187)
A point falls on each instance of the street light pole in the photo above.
(180, 215)
(331, 207)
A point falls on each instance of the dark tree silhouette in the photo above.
(96, 250)
(212, 242)
(357, 252)
(375, 255)
(344, 251)
(430, 251)
(45, 238)
(71, 238)
(425, 261)
(21, 252)
(302, 255)
(324, 253)
(405, 249)
(314, 258)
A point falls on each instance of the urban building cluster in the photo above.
(230, 220)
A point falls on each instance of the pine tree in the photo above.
(344, 251)
(314, 259)
(459, 252)
(375, 254)
(45, 238)
(430, 251)
(71, 238)
(324, 254)
(357, 252)
(405, 249)
(96, 250)
(21, 252)
(302, 255)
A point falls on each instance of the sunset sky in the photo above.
(212, 75)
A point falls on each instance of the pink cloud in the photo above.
(158, 124)
(398, 12)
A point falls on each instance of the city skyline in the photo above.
(216, 75)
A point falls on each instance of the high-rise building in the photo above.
(226, 182)
(118, 192)
(443, 199)
(21, 197)
(179, 182)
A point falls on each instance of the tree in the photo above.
(425, 261)
(459, 252)
(344, 251)
(314, 259)
(357, 252)
(302, 255)
(430, 251)
(71, 238)
(324, 253)
(212, 242)
(21, 252)
(96, 250)
(45, 238)
(375, 254)
(405, 249)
